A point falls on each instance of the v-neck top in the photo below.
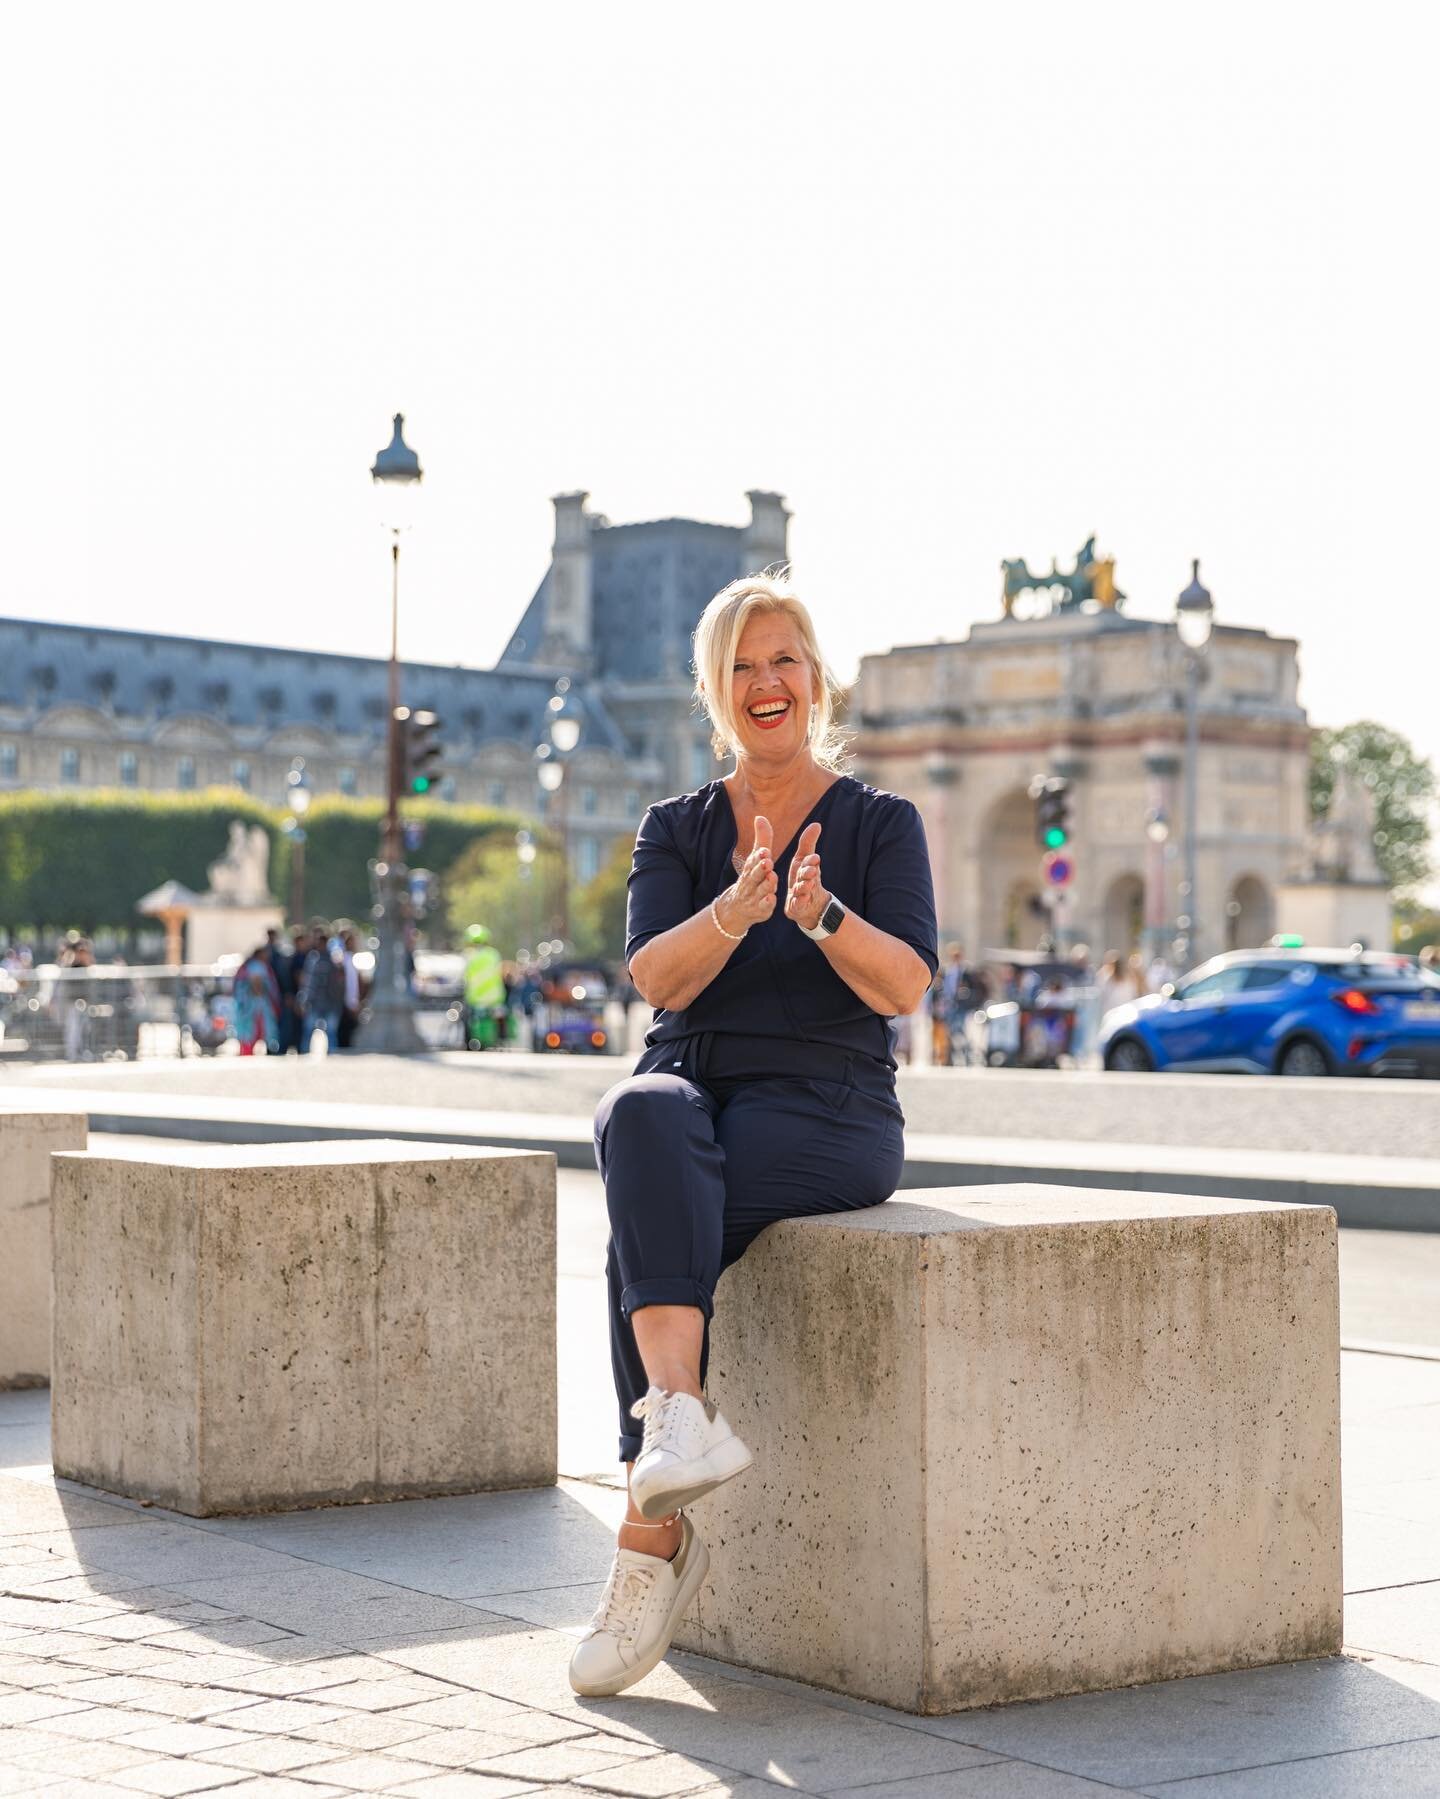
(777, 983)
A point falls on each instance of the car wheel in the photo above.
(1303, 1057)
(1128, 1055)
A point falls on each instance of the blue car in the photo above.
(1284, 1011)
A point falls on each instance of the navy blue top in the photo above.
(778, 983)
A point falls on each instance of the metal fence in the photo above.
(112, 1013)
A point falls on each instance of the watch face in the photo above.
(831, 917)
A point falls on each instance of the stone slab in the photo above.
(1365, 1191)
(28, 1139)
(306, 1325)
(1020, 1441)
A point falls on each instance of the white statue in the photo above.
(1342, 843)
(242, 875)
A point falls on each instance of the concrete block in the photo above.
(307, 1324)
(27, 1141)
(1017, 1441)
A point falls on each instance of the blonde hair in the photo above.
(717, 638)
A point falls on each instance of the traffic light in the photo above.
(420, 750)
(1051, 794)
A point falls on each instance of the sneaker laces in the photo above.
(623, 1601)
(661, 1413)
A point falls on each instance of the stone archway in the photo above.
(1249, 913)
(1124, 916)
(1010, 876)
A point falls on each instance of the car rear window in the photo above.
(1384, 971)
(1268, 974)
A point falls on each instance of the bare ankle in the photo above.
(677, 1379)
(662, 1539)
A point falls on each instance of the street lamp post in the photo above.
(297, 798)
(564, 720)
(525, 853)
(390, 1028)
(1194, 621)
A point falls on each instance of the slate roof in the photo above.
(650, 583)
(148, 676)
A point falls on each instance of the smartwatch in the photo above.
(831, 920)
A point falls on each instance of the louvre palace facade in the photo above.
(89, 707)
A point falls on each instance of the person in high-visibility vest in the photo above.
(484, 990)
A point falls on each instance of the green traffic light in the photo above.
(1055, 837)
(421, 784)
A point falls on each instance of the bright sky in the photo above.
(962, 282)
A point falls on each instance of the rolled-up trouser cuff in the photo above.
(674, 1290)
(630, 1448)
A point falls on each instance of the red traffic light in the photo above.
(1058, 867)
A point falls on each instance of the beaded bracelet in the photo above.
(734, 936)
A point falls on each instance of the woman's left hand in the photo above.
(806, 898)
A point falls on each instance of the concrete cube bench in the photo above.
(294, 1325)
(1016, 1441)
(27, 1141)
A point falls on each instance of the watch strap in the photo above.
(830, 921)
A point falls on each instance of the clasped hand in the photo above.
(752, 898)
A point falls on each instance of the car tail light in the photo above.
(1354, 1000)
(552, 1039)
(598, 1039)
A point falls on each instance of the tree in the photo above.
(343, 836)
(598, 913)
(1415, 927)
(517, 903)
(1401, 781)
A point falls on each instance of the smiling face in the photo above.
(772, 685)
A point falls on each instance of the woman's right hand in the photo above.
(751, 899)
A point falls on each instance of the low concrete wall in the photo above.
(294, 1326)
(1018, 1441)
(27, 1141)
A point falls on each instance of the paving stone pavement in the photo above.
(420, 1648)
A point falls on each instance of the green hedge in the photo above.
(81, 860)
(343, 835)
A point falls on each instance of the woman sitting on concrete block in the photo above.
(767, 1087)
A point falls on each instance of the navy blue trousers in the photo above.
(696, 1165)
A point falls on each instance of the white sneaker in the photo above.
(643, 1602)
(687, 1451)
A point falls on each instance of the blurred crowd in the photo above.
(1048, 1009)
(287, 992)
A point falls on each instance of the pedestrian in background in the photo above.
(964, 990)
(1117, 984)
(256, 1001)
(350, 994)
(939, 1022)
(294, 1020)
(322, 992)
(1085, 998)
(279, 961)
